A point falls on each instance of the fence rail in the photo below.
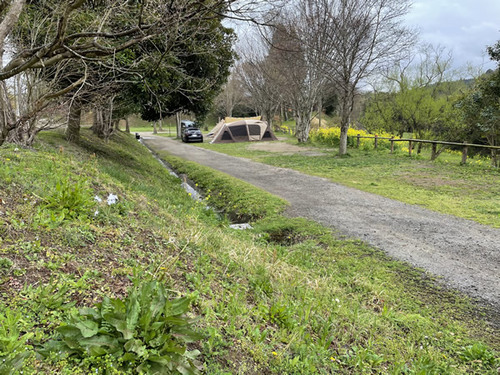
(465, 146)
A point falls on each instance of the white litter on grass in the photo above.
(98, 199)
(112, 199)
(241, 226)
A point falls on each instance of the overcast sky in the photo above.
(464, 26)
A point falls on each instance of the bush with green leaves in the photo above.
(13, 351)
(145, 333)
(72, 199)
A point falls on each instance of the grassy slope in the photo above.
(287, 297)
(471, 191)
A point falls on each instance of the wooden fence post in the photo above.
(410, 145)
(464, 155)
(376, 141)
(357, 141)
(392, 145)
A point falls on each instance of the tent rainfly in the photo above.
(242, 131)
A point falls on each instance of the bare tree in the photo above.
(297, 53)
(256, 74)
(287, 71)
(359, 38)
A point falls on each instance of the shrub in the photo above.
(145, 333)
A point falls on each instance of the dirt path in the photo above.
(464, 253)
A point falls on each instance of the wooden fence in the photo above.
(434, 154)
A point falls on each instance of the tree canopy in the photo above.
(166, 56)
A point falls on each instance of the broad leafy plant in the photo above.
(12, 342)
(72, 199)
(145, 333)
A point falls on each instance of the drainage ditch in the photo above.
(190, 187)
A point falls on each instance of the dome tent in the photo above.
(242, 131)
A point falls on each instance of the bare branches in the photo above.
(356, 39)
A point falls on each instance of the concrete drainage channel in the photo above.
(189, 187)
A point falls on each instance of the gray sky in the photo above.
(464, 26)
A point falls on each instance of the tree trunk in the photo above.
(155, 131)
(95, 119)
(303, 126)
(346, 103)
(281, 115)
(127, 125)
(99, 125)
(74, 121)
(268, 116)
(435, 152)
(7, 114)
(103, 125)
(320, 110)
(178, 123)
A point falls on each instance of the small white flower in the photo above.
(112, 199)
(98, 199)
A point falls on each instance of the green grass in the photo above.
(238, 199)
(471, 191)
(288, 297)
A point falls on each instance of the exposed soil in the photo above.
(463, 254)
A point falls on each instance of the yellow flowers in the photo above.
(331, 136)
(286, 129)
(274, 353)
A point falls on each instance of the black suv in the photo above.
(190, 131)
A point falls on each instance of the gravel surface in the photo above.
(465, 254)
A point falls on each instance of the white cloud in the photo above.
(466, 27)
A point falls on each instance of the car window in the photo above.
(187, 124)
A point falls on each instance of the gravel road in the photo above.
(464, 253)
